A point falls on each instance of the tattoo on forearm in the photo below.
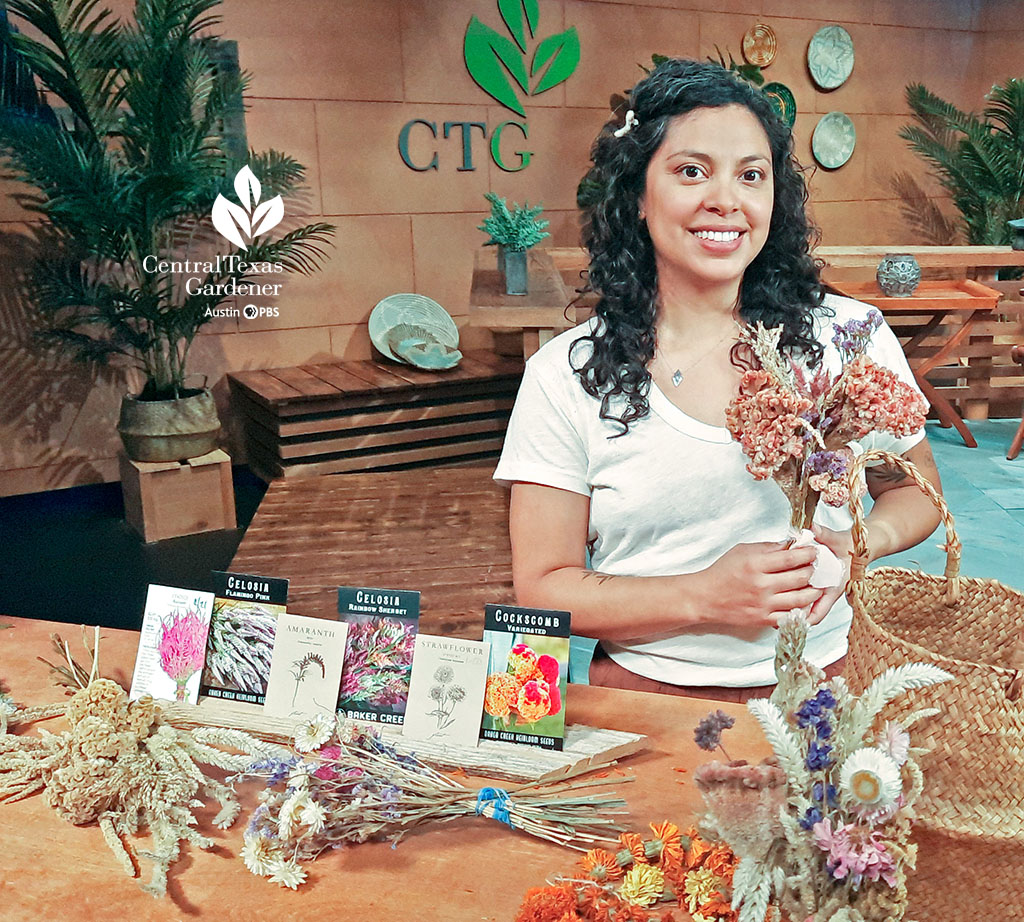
(600, 577)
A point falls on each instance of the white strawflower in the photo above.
(313, 816)
(870, 779)
(314, 732)
(290, 814)
(288, 874)
(7, 705)
(895, 742)
(260, 854)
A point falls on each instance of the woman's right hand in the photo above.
(753, 585)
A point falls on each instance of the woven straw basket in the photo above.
(971, 814)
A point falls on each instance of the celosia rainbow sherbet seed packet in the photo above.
(172, 644)
(524, 700)
(382, 626)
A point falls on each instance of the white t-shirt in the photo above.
(672, 496)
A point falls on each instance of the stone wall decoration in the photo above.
(781, 98)
(830, 57)
(760, 45)
(833, 140)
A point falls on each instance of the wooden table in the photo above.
(442, 531)
(473, 870)
(542, 313)
(968, 300)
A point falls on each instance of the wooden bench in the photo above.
(372, 416)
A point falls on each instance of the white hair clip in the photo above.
(631, 122)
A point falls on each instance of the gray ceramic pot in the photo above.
(898, 274)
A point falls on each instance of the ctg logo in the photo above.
(508, 69)
(499, 67)
(241, 225)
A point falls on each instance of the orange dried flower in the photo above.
(671, 843)
(634, 844)
(548, 904)
(500, 694)
(599, 864)
(722, 862)
(697, 850)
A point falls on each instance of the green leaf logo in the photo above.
(498, 64)
(563, 51)
(512, 11)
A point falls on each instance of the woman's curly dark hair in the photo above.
(781, 285)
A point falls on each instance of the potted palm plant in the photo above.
(513, 230)
(135, 181)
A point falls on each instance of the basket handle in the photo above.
(859, 565)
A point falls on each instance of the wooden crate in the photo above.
(371, 416)
(166, 499)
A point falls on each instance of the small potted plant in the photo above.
(513, 230)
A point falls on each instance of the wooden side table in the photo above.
(540, 314)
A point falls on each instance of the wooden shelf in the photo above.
(943, 294)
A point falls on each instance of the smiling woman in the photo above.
(617, 444)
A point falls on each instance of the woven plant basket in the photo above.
(971, 814)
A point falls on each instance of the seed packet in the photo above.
(241, 640)
(172, 644)
(305, 673)
(382, 626)
(446, 691)
(524, 701)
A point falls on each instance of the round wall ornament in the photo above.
(760, 45)
(833, 140)
(781, 98)
(830, 57)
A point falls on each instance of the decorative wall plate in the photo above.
(409, 308)
(833, 140)
(781, 98)
(760, 45)
(830, 57)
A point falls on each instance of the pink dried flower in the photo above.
(875, 398)
(856, 851)
(765, 420)
(182, 648)
(326, 771)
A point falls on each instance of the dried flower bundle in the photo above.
(823, 828)
(798, 428)
(240, 646)
(121, 767)
(354, 787)
(378, 663)
(641, 881)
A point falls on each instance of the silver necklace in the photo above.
(677, 375)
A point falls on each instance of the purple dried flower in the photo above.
(812, 816)
(819, 756)
(708, 734)
(852, 338)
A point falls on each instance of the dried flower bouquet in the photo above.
(642, 880)
(120, 766)
(345, 785)
(798, 427)
(823, 829)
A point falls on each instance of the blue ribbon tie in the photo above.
(499, 802)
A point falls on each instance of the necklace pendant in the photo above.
(677, 378)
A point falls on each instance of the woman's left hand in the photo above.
(839, 543)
